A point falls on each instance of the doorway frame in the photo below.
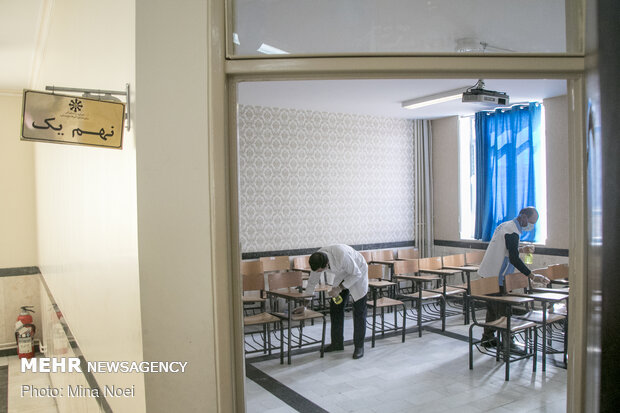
(225, 74)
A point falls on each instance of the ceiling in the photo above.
(19, 34)
(22, 26)
(384, 97)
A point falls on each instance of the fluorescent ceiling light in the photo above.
(266, 49)
(434, 99)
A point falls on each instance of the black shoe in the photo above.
(517, 349)
(358, 353)
(333, 347)
(489, 343)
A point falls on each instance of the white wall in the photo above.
(446, 178)
(556, 132)
(86, 197)
(18, 246)
(174, 205)
(446, 173)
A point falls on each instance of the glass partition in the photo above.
(314, 27)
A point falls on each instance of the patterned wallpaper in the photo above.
(309, 179)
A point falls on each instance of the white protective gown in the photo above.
(496, 262)
(347, 266)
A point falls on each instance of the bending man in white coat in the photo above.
(350, 278)
(502, 257)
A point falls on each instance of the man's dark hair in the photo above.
(318, 260)
(528, 211)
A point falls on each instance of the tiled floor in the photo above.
(428, 374)
(15, 403)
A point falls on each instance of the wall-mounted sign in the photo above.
(49, 117)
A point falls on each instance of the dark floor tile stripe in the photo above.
(288, 396)
(4, 389)
(447, 333)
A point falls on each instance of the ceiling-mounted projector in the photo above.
(478, 94)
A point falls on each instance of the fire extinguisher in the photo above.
(24, 333)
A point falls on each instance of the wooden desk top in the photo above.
(466, 268)
(380, 284)
(564, 291)
(291, 295)
(418, 278)
(551, 297)
(382, 262)
(442, 271)
(508, 299)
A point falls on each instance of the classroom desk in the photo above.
(419, 280)
(291, 297)
(444, 273)
(467, 270)
(546, 299)
(376, 287)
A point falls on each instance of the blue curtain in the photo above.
(505, 180)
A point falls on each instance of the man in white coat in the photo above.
(350, 278)
(502, 257)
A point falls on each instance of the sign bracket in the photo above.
(101, 95)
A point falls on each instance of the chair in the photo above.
(474, 258)
(384, 257)
(434, 266)
(254, 281)
(545, 318)
(302, 264)
(272, 264)
(506, 327)
(408, 271)
(288, 286)
(254, 295)
(375, 285)
(408, 254)
(367, 256)
(458, 262)
(548, 272)
(455, 262)
(558, 274)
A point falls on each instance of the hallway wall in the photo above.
(18, 246)
(86, 196)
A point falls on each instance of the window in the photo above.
(467, 176)
(468, 185)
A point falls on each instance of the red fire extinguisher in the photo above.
(24, 333)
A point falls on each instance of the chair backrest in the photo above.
(375, 272)
(543, 271)
(367, 255)
(408, 254)
(409, 266)
(557, 271)
(280, 280)
(456, 260)
(302, 263)
(383, 255)
(251, 267)
(253, 282)
(430, 263)
(515, 281)
(482, 286)
(281, 263)
(474, 257)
